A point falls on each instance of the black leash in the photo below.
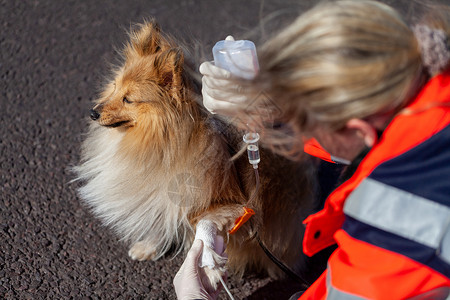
(281, 265)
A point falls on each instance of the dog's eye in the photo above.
(125, 100)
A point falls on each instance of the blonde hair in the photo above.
(338, 61)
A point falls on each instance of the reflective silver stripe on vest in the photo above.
(442, 293)
(335, 294)
(401, 213)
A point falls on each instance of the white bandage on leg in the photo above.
(213, 245)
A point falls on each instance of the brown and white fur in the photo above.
(150, 133)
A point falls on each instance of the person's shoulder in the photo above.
(423, 170)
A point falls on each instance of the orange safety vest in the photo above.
(391, 219)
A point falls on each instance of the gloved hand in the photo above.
(188, 281)
(221, 94)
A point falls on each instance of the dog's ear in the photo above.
(145, 40)
(169, 67)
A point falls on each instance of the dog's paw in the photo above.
(142, 251)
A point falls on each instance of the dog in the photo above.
(155, 162)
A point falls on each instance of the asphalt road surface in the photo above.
(54, 55)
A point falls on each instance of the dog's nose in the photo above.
(94, 114)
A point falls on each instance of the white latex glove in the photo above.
(220, 94)
(188, 281)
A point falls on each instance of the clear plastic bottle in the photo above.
(238, 57)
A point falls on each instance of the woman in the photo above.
(354, 76)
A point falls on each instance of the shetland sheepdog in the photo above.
(155, 162)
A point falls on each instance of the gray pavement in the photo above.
(54, 55)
